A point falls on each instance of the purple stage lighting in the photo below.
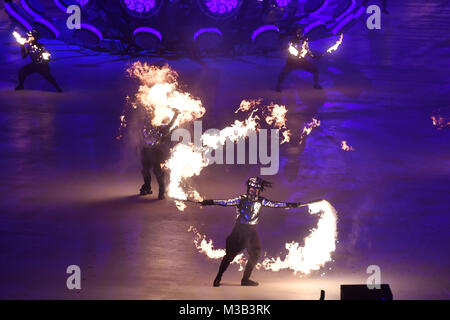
(93, 29)
(207, 30)
(320, 9)
(221, 6)
(9, 9)
(140, 6)
(283, 3)
(359, 12)
(341, 24)
(48, 26)
(313, 25)
(219, 9)
(268, 27)
(29, 10)
(346, 12)
(152, 31)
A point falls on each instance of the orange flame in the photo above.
(314, 254)
(440, 122)
(346, 147)
(308, 128)
(336, 45)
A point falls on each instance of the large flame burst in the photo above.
(314, 254)
(160, 94)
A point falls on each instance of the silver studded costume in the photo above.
(249, 210)
(244, 235)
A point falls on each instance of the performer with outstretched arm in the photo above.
(154, 153)
(244, 235)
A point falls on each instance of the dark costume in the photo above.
(39, 64)
(244, 235)
(295, 62)
(154, 153)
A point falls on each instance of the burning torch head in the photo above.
(33, 35)
(255, 185)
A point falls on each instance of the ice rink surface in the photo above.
(69, 188)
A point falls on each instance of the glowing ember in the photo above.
(247, 105)
(46, 55)
(440, 122)
(307, 129)
(346, 147)
(317, 249)
(336, 45)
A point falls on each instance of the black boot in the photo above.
(19, 87)
(161, 196)
(318, 87)
(145, 189)
(217, 281)
(248, 282)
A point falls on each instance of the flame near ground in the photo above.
(314, 254)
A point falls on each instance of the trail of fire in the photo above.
(308, 128)
(315, 253)
(207, 247)
(440, 122)
(346, 147)
(336, 45)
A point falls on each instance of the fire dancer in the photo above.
(298, 59)
(40, 59)
(244, 235)
(154, 154)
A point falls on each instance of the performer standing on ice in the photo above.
(298, 59)
(154, 153)
(244, 235)
(40, 59)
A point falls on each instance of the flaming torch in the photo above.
(19, 38)
(308, 128)
(336, 45)
(440, 122)
(346, 147)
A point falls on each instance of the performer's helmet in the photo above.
(33, 33)
(258, 183)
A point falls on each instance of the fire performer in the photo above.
(244, 235)
(154, 153)
(40, 59)
(298, 59)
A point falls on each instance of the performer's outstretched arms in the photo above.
(227, 202)
(279, 204)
